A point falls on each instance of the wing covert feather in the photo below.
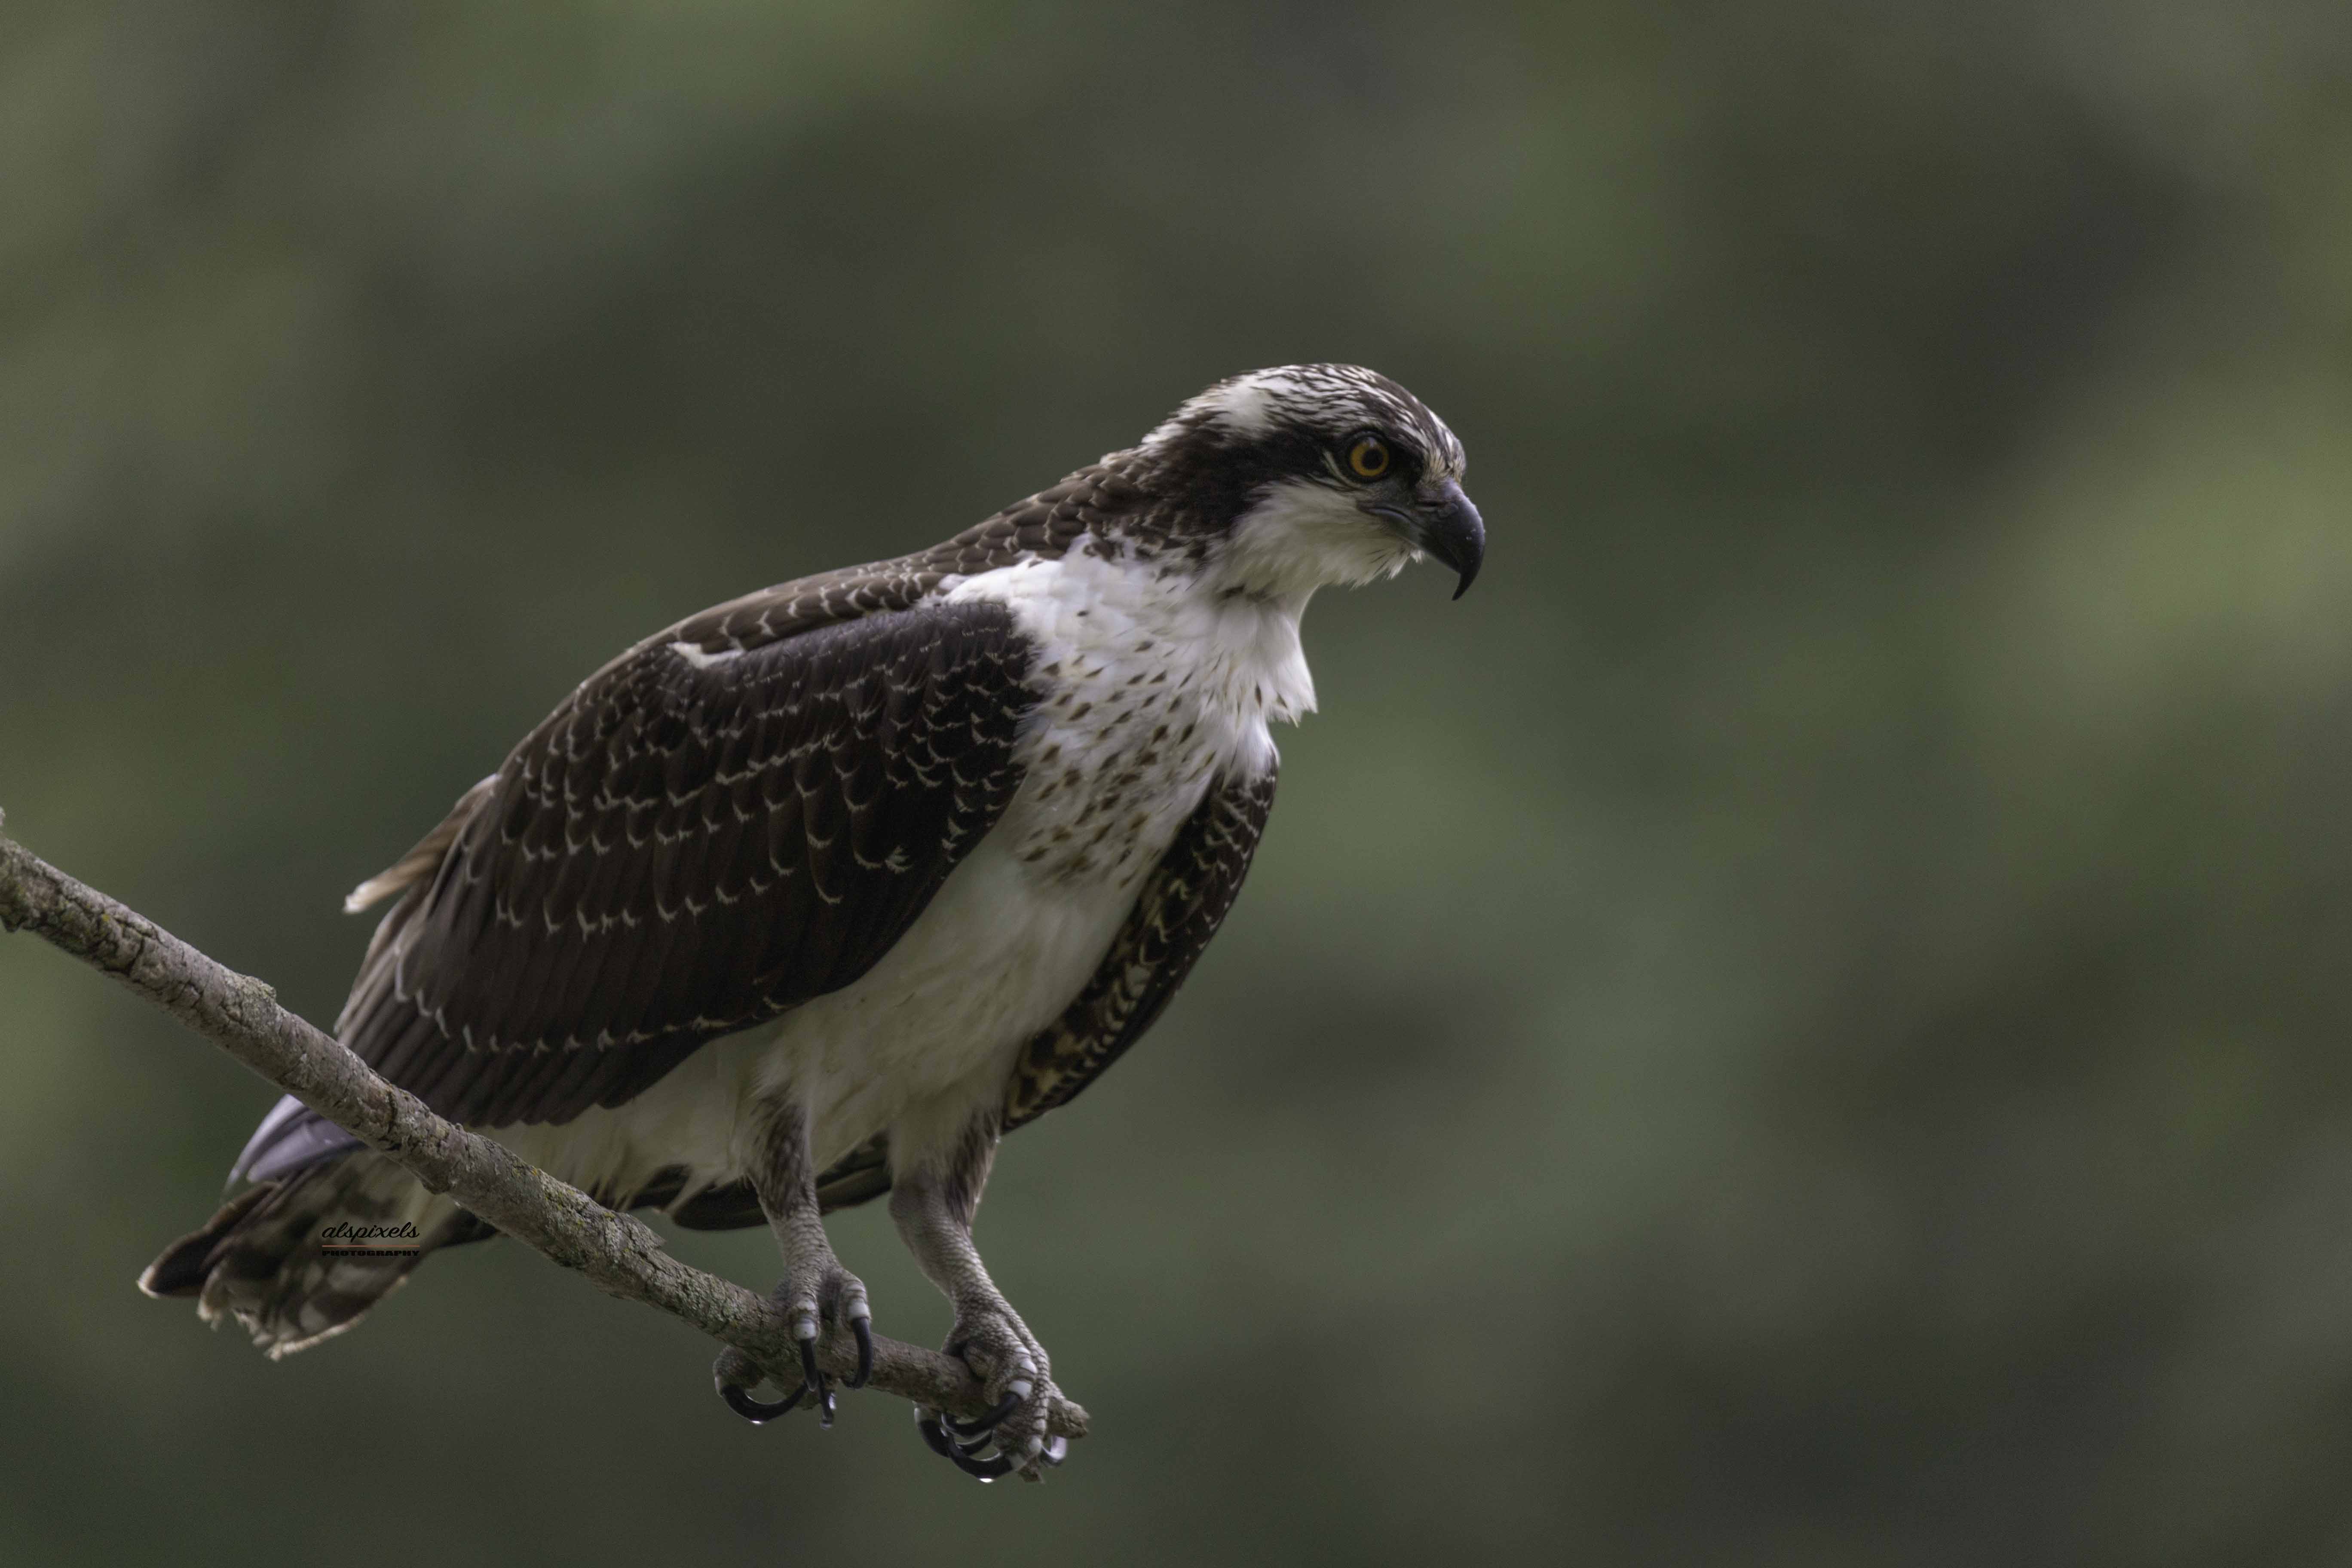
(1181, 906)
(687, 847)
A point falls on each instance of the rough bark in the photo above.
(619, 1254)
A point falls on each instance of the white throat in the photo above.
(1117, 633)
(1301, 536)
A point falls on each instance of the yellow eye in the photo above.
(1368, 457)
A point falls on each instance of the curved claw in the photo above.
(735, 1374)
(1056, 1450)
(981, 1469)
(934, 1428)
(812, 1378)
(864, 1329)
(757, 1411)
(988, 1422)
(814, 1385)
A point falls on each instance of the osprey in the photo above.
(817, 894)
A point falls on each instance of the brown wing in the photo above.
(1182, 903)
(691, 844)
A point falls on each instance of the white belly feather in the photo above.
(1154, 690)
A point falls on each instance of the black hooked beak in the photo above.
(1446, 526)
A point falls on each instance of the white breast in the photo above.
(1155, 686)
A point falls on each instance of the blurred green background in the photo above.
(1802, 1022)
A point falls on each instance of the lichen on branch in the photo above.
(618, 1253)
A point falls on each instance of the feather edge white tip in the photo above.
(372, 892)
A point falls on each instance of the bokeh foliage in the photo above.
(1805, 1021)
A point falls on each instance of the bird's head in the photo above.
(1312, 475)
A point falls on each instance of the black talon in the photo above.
(1005, 1407)
(976, 1445)
(810, 1376)
(756, 1411)
(934, 1428)
(824, 1405)
(864, 1329)
(984, 1470)
(735, 1374)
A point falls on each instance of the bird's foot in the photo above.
(1010, 1439)
(828, 1295)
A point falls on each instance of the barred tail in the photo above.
(302, 1257)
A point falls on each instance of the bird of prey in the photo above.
(819, 893)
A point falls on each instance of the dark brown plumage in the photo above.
(681, 852)
(955, 825)
(1182, 903)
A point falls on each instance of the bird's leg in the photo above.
(933, 1202)
(816, 1289)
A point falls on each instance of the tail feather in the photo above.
(280, 1259)
(183, 1267)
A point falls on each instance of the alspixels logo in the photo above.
(348, 1240)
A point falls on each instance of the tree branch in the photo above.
(619, 1254)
